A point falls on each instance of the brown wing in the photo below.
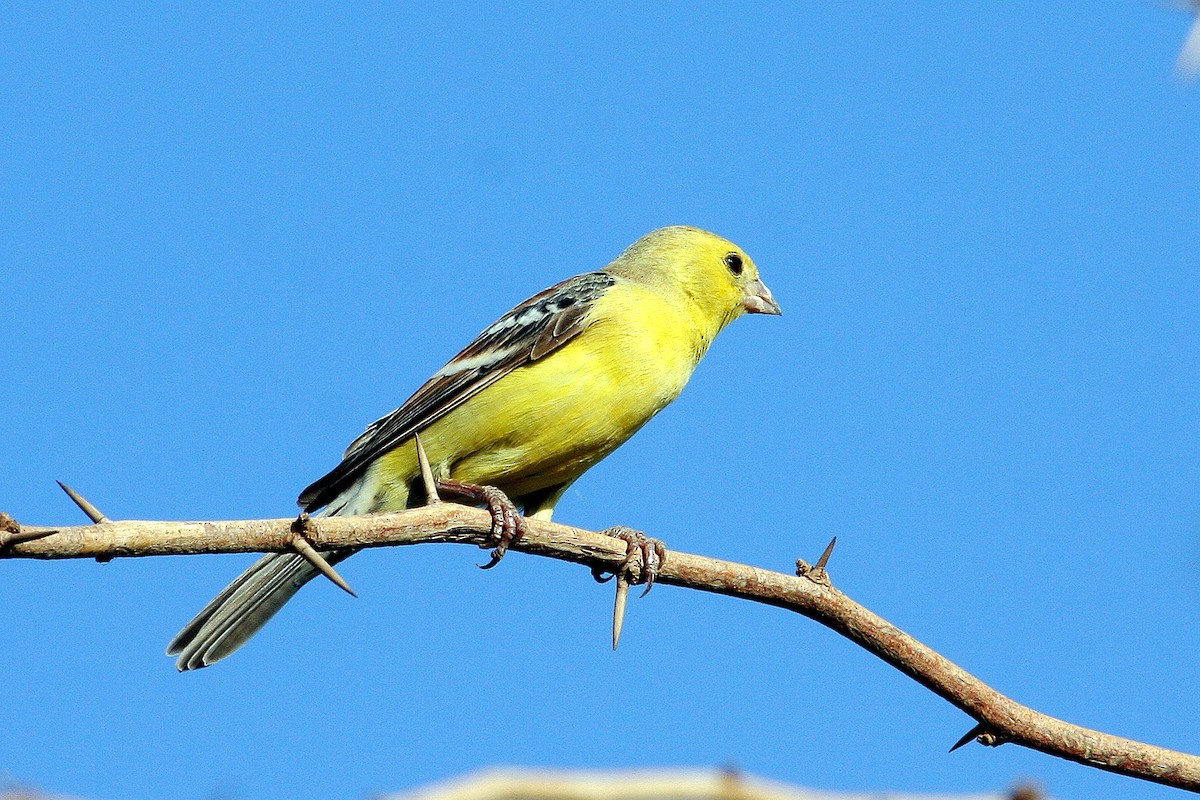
(531, 331)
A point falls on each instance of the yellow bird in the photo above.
(546, 392)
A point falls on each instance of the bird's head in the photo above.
(713, 273)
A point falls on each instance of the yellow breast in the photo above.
(546, 423)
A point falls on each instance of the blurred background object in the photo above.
(516, 783)
(1187, 66)
(507, 783)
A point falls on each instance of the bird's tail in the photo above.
(237, 613)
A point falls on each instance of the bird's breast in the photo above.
(547, 422)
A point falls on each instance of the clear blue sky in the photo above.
(231, 238)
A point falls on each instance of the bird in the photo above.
(533, 402)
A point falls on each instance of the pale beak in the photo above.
(759, 300)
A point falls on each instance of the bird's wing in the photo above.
(531, 331)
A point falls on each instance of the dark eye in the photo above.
(734, 262)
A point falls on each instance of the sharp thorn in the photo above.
(824, 559)
(431, 492)
(16, 537)
(30, 536)
(970, 736)
(94, 514)
(619, 608)
(304, 548)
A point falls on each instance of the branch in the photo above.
(1000, 718)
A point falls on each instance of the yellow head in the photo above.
(711, 273)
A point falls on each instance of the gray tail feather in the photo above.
(245, 605)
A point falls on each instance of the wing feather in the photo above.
(531, 331)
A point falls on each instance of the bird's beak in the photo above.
(759, 300)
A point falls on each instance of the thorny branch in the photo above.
(1000, 719)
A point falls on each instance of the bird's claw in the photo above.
(652, 552)
(508, 526)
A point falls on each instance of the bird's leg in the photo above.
(507, 525)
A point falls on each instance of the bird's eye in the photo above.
(734, 262)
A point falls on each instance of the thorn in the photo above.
(16, 537)
(971, 735)
(302, 546)
(619, 607)
(305, 548)
(94, 514)
(816, 572)
(431, 492)
(824, 559)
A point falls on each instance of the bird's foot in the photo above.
(652, 552)
(507, 525)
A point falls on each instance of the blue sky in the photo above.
(231, 238)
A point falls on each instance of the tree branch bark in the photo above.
(1000, 718)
